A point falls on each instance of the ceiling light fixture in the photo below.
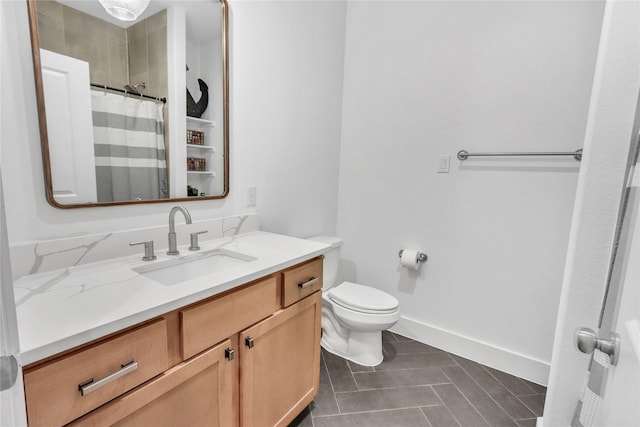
(124, 10)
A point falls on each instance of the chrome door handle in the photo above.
(309, 282)
(8, 372)
(90, 385)
(587, 341)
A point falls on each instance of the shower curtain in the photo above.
(129, 148)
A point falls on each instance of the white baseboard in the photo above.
(517, 364)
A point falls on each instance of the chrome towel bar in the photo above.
(464, 154)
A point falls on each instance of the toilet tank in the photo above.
(331, 259)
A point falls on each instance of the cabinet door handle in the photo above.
(309, 282)
(90, 385)
(229, 353)
(248, 341)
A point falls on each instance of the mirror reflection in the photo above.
(117, 124)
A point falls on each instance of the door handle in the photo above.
(587, 341)
(8, 372)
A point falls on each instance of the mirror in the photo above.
(116, 123)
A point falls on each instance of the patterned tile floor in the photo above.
(419, 385)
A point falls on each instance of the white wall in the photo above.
(430, 78)
(286, 75)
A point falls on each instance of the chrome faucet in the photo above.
(173, 246)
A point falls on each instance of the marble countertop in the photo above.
(62, 309)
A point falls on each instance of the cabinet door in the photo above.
(280, 364)
(199, 392)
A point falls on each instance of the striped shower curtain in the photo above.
(129, 148)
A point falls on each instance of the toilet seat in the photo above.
(363, 299)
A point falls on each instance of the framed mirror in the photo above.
(132, 111)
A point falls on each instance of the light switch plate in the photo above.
(251, 196)
(444, 160)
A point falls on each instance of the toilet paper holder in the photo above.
(422, 257)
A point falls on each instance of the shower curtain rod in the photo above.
(163, 100)
(464, 154)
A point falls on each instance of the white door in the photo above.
(12, 409)
(621, 404)
(67, 97)
(611, 396)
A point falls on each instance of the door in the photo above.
(612, 393)
(12, 408)
(280, 364)
(621, 315)
(67, 98)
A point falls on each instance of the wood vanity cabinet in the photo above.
(248, 357)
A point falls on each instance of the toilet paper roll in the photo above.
(409, 259)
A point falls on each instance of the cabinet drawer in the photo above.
(54, 390)
(208, 323)
(301, 281)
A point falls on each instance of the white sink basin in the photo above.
(190, 267)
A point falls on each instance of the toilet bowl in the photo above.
(353, 315)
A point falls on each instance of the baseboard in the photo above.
(517, 364)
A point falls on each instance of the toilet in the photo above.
(353, 315)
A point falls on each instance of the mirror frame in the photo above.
(42, 118)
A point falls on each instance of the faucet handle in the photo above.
(148, 250)
(194, 240)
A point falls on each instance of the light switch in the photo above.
(443, 163)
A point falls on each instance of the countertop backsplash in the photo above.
(38, 257)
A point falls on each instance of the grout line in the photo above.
(393, 387)
(447, 409)
(527, 406)
(333, 391)
(425, 416)
(390, 388)
(505, 386)
(378, 410)
(489, 394)
(467, 399)
(450, 411)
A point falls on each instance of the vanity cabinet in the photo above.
(240, 358)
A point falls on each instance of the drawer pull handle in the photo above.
(90, 385)
(248, 341)
(229, 353)
(309, 282)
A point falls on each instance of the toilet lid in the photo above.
(363, 298)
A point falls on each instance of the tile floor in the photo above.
(419, 385)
